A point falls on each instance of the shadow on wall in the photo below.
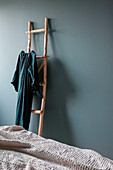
(56, 122)
(59, 90)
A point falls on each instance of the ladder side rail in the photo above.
(44, 79)
(29, 37)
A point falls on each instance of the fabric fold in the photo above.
(26, 83)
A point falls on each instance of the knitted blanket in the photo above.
(21, 149)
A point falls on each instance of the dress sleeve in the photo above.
(34, 75)
(15, 79)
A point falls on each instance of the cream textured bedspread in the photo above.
(21, 149)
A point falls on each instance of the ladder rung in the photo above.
(35, 31)
(37, 111)
(40, 57)
(41, 83)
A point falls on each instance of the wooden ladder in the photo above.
(44, 66)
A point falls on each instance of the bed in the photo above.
(22, 149)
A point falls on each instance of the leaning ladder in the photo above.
(44, 66)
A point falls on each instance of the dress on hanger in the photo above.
(25, 82)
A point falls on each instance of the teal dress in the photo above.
(25, 82)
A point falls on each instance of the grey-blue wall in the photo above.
(79, 105)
